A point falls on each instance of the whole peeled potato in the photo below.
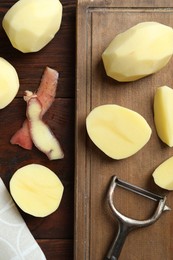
(139, 51)
(32, 24)
(9, 83)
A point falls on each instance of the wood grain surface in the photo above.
(55, 232)
(98, 22)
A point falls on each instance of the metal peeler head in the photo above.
(138, 223)
(127, 224)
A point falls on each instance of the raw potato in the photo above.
(140, 51)
(36, 190)
(119, 132)
(163, 114)
(9, 83)
(30, 25)
(163, 175)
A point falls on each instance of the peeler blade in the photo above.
(140, 191)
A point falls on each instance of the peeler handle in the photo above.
(118, 243)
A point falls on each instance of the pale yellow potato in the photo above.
(9, 83)
(30, 25)
(139, 51)
(117, 131)
(163, 114)
(41, 135)
(163, 174)
(36, 190)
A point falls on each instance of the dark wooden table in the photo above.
(55, 232)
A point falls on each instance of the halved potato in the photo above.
(119, 132)
(163, 174)
(36, 189)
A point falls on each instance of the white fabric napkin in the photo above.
(16, 241)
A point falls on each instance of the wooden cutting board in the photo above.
(98, 22)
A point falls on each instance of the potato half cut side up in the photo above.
(36, 190)
(119, 132)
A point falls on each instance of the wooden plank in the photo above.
(57, 249)
(55, 232)
(61, 114)
(98, 22)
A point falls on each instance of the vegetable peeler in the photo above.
(126, 224)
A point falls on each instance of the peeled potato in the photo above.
(117, 131)
(139, 51)
(36, 190)
(163, 114)
(32, 24)
(163, 175)
(9, 83)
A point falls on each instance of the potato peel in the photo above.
(41, 135)
(46, 95)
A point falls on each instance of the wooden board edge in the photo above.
(79, 196)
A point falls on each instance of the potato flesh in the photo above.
(163, 174)
(45, 141)
(30, 25)
(119, 132)
(140, 51)
(36, 190)
(46, 94)
(163, 114)
(41, 135)
(9, 83)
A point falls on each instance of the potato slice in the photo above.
(139, 51)
(163, 114)
(163, 174)
(9, 83)
(30, 25)
(119, 132)
(36, 190)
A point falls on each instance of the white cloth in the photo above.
(16, 241)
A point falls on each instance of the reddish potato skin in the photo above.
(46, 95)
